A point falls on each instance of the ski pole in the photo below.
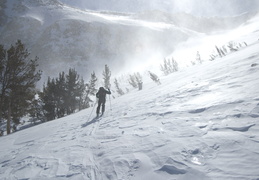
(110, 102)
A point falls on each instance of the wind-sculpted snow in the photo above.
(201, 123)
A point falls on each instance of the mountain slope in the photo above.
(200, 123)
(196, 7)
(64, 37)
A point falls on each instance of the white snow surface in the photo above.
(201, 123)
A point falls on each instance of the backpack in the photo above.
(101, 93)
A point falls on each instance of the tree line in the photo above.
(19, 97)
(18, 78)
(59, 97)
(64, 94)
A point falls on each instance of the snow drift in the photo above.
(200, 123)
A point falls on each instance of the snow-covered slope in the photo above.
(197, 7)
(200, 123)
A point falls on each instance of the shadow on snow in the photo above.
(90, 122)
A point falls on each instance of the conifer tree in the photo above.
(73, 91)
(49, 100)
(232, 47)
(169, 66)
(92, 84)
(61, 93)
(132, 81)
(138, 77)
(198, 57)
(175, 65)
(154, 77)
(220, 52)
(36, 110)
(118, 89)
(82, 87)
(107, 77)
(165, 67)
(90, 90)
(135, 80)
(18, 78)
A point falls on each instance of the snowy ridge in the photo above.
(197, 7)
(200, 123)
(63, 36)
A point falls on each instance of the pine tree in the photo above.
(49, 100)
(138, 77)
(164, 67)
(3, 79)
(73, 91)
(169, 66)
(90, 90)
(198, 57)
(53, 96)
(118, 89)
(92, 84)
(212, 57)
(232, 46)
(132, 81)
(82, 87)
(154, 77)
(175, 66)
(107, 77)
(220, 52)
(18, 78)
(225, 51)
(36, 110)
(60, 92)
(63, 95)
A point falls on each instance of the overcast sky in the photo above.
(198, 7)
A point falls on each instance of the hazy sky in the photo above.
(198, 7)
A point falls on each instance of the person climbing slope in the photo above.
(101, 95)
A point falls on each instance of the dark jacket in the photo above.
(101, 94)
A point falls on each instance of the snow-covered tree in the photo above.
(169, 66)
(232, 46)
(118, 89)
(132, 81)
(135, 80)
(107, 76)
(154, 77)
(90, 90)
(74, 90)
(198, 57)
